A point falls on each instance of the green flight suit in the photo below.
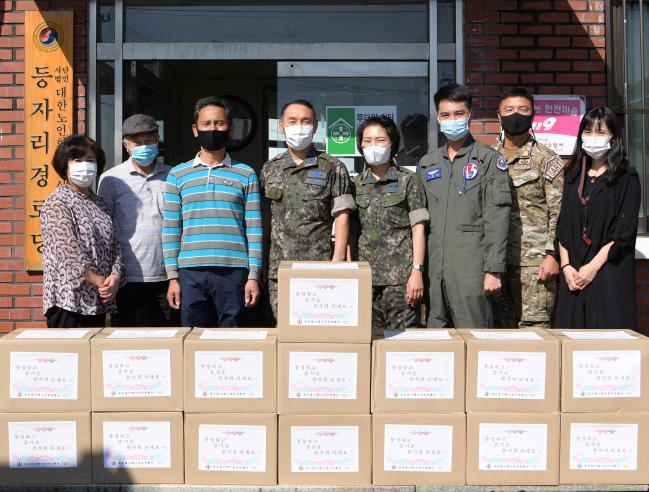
(469, 202)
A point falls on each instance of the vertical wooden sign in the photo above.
(49, 105)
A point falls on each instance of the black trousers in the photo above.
(62, 318)
(144, 304)
(212, 297)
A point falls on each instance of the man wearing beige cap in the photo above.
(134, 191)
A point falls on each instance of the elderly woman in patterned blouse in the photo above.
(82, 263)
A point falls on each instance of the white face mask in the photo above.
(596, 147)
(82, 174)
(298, 137)
(375, 156)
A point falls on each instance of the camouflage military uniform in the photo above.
(388, 208)
(302, 200)
(536, 173)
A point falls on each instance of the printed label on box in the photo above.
(505, 335)
(52, 334)
(417, 335)
(42, 444)
(513, 447)
(137, 444)
(418, 448)
(604, 446)
(232, 448)
(322, 375)
(419, 375)
(323, 302)
(599, 335)
(137, 373)
(325, 266)
(229, 374)
(131, 334)
(43, 375)
(325, 449)
(234, 335)
(511, 375)
(606, 373)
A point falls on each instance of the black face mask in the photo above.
(516, 123)
(212, 140)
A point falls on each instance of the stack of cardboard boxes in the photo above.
(324, 323)
(230, 407)
(45, 405)
(419, 424)
(137, 405)
(512, 404)
(605, 405)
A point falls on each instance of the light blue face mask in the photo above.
(454, 129)
(144, 154)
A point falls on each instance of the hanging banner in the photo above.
(556, 121)
(342, 123)
(49, 104)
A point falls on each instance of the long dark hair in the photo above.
(617, 160)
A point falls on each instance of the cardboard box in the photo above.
(604, 370)
(511, 371)
(45, 448)
(414, 449)
(418, 371)
(230, 371)
(323, 378)
(610, 448)
(321, 301)
(45, 370)
(231, 449)
(325, 450)
(512, 449)
(137, 447)
(138, 370)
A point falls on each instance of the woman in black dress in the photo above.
(597, 229)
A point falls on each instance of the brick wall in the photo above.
(549, 47)
(20, 293)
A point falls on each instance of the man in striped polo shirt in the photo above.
(211, 234)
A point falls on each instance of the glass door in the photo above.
(346, 93)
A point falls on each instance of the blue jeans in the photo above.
(211, 297)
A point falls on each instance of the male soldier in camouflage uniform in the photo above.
(392, 215)
(469, 201)
(304, 193)
(529, 289)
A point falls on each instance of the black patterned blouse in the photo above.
(78, 233)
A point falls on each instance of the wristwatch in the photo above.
(418, 266)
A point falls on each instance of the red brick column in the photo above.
(20, 293)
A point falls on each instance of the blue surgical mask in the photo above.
(144, 154)
(454, 129)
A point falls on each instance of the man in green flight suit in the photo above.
(304, 194)
(469, 202)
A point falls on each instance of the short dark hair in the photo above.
(617, 160)
(453, 93)
(390, 127)
(301, 102)
(516, 92)
(75, 147)
(219, 102)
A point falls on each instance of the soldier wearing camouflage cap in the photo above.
(392, 217)
(530, 286)
(304, 193)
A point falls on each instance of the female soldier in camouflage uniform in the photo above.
(392, 215)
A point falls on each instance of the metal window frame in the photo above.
(119, 52)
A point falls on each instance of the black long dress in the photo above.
(612, 215)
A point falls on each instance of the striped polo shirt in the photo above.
(212, 217)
